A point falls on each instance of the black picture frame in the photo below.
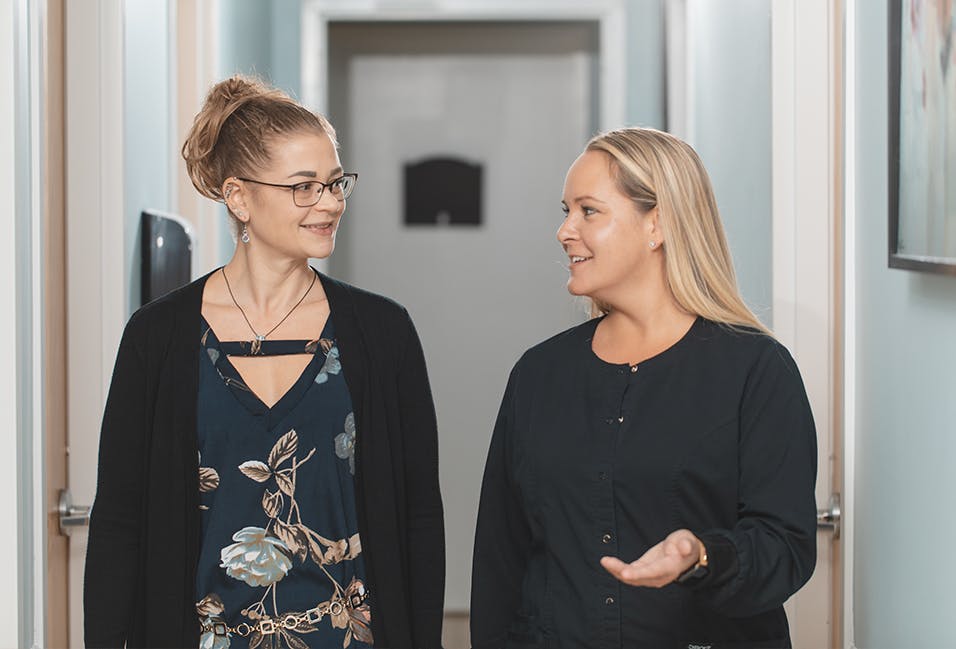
(904, 259)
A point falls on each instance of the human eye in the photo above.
(305, 188)
(564, 210)
(588, 211)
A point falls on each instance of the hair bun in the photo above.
(231, 133)
(236, 88)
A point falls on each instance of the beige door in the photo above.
(96, 284)
(54, 324)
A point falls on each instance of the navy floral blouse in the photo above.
(280, 560)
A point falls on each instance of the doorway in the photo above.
(480, 293)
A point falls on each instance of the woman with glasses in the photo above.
(268, 469)
(650, 481)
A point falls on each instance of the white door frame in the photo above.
(10, 502)
(609, 14)
(807, 239)
(849, 312)
(97, 282)
(21, 117)
(25, 240)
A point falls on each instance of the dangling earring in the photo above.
(244, 237)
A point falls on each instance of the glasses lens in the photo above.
(342, 187)
(307, 194)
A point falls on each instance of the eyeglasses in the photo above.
(309, 193)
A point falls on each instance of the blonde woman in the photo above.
(268, 471)
(650, 481)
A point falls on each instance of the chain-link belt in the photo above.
(289, 621)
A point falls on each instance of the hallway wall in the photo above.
(730, 127)
(9, 487)
(147, 126)
(905, 486)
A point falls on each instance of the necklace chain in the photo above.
(257, 341)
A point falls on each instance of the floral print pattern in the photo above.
(210, 611)
(208, 480)
(262, 557)
(282, 550)
(256, 558)
(345, 442)
(332, 365)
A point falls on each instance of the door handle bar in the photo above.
(71, 516)
(829, 518)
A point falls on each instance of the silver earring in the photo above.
(244, 237)
(652, 244)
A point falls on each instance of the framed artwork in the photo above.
(922, 135)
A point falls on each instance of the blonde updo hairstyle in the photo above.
(656, 169)
(240, 120)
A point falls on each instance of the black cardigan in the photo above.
(140, 583)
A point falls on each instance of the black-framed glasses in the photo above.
(308, 193)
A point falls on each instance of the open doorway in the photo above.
(406, 93)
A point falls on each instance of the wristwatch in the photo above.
(698, 571)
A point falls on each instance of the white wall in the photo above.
(905, 487)
(9, 489)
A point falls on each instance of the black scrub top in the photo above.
(589, 458)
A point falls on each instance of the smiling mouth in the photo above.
(575, 260)
(318, 228)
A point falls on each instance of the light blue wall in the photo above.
(147, 129)
(261, 38)
(729, 45)
(265, 37)
(905, 485)
(285, 55)
(646, 88)
(245, 38)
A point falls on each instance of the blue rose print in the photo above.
(255, 558)
(345, 442)
(332, 365)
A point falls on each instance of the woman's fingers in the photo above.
(614, 566)
(660, 565)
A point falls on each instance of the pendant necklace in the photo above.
(256, 343)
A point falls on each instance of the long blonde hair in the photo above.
(656, 169)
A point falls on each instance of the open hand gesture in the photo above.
(660, 565)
